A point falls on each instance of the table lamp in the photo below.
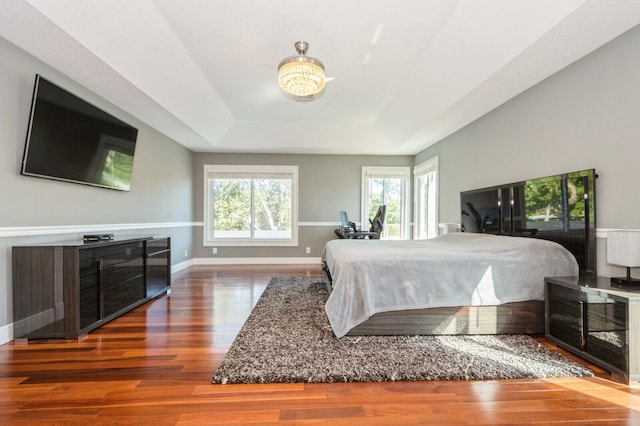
(623, 248)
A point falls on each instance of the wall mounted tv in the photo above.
(71, 140)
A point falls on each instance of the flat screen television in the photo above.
(71, 140)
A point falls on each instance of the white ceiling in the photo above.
(406, 73)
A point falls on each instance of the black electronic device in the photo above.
(347, 225)
(98, 237)
(71, 140)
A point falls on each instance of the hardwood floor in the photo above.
(153, 365)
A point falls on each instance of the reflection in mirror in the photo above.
(481, 211)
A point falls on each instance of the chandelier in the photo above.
(301, 77)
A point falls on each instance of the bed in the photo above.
(459, 283)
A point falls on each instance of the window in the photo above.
(425, 177)
(251, 205)
(390, 186)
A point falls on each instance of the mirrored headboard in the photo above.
(560, 208)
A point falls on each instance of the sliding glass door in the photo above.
(389, 186)
(426, 199)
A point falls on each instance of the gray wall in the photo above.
(327, 184)
(586, 116)
(161, 191)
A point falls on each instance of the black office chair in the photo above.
(377, 223)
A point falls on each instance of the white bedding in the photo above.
(456, 269)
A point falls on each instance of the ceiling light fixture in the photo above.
(302, 77)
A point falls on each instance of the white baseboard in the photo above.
(182, 265)
(6, 334)
(257, 261)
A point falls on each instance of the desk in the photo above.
(350, 234)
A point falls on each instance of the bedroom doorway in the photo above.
(426, 199)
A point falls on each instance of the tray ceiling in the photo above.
(404, 74)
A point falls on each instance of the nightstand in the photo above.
(595, 321)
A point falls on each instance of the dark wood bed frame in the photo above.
(577, 235)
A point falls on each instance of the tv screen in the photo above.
(71, 140)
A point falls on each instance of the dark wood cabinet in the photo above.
(591, 319)
(68, 290)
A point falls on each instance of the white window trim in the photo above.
(384, 172)
(420, 170)
(216, 169)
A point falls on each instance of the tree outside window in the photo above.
(251, 205)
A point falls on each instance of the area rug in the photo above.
(287, 338)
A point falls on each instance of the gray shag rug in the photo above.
(287, 338)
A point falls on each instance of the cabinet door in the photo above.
(121, 287)
(122, 278)
(566, 311)
(606, 330)
(89, 297)
(158, 261)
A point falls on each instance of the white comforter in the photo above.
(458, 269)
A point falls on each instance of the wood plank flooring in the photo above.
(153, 365)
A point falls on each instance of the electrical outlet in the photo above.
(186, 253)
(215, 250)
(308, 250)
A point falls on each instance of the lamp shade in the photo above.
(302, 77)
(623, 248)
